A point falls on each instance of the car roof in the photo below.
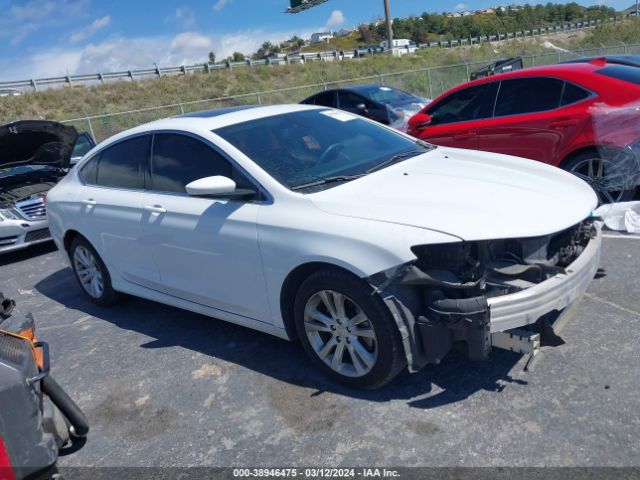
(213, 119)
(576, 72)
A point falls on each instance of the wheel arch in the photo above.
(577, 152)
(291, 285)
(68, 238)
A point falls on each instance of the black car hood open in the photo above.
(36, 142)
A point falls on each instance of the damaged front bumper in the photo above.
(556, 293)
(433, 312)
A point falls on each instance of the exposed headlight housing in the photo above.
(8, 214)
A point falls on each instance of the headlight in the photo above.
(7, 214)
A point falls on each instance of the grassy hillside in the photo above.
(80, 101)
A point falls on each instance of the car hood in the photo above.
(36, 142)
(469, 194)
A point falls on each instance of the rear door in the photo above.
(530, 119)
(455, 118)
(111, 209)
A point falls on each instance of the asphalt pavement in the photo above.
(166, 387)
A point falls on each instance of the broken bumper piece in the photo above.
(556, 293)
(430, 329)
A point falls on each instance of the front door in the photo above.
(454, 119)
(206, 249)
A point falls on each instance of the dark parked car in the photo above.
(386, 105)
(628, 60)
(501, 66)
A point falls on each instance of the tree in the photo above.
(212, 57)
(237, 57)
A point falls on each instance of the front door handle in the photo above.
(89, 202)
(466, 135)
(155, 209)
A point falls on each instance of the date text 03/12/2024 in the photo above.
(315, 472)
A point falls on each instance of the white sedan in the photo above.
(376, 251)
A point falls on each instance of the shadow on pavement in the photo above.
(27, 253)
(453, 380)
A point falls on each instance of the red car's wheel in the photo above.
(600, 174)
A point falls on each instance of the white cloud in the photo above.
(185, 16)
(118, 53)
(220, 4)
(335, 19)
(461, 6)
(19, 21)
(91, 29)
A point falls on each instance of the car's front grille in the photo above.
(35, 235)
(4, 241)
(32, 208)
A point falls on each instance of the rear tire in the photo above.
(347, 331)
(592, 168)
(91, 273)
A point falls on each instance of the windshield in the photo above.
(302, 147)
(390, 96)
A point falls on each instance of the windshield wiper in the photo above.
(395, 158)
(326, 180)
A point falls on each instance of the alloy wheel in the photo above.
(88, 272)
(600, 175)
(340, 333)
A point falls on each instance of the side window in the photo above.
(326, 99)
(123, 164)
(572, 94)
(528, 95)
(472, 103)
(178, 160)
(89, 171)
(82, 146)
(349, 101)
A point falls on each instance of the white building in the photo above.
(321, 37)
(397, 43)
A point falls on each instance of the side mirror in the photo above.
(420, 121)
(217, 186)
(361, 107)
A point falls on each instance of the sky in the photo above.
(43, 38)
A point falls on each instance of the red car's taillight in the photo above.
(6, 470)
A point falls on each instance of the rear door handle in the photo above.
(466, 135)
(90, 202)
(155, 209)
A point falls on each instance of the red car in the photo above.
(582, 117)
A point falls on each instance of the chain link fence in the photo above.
(426, 82)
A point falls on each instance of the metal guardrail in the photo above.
(428, 82)
(297, 58)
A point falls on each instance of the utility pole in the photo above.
(387, 13)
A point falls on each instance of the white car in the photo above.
(373, 249)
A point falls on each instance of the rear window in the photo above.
(528, 95)
(573, 94)
(621, 72)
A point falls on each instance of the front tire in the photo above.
(348, 332)
(91, 273)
